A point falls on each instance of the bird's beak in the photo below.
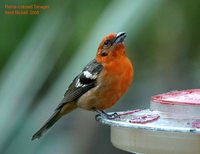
(119, 38)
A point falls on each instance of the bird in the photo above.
(100, 84)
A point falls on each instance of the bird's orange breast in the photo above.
(112, 83)
(115, 81)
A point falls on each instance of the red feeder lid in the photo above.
(189, 97)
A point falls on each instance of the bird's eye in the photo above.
(107, 43)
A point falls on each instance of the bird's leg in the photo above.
(106, 115)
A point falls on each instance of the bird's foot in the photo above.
(106, 115)
(98, 117)
(112, 116)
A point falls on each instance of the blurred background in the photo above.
(41, 54)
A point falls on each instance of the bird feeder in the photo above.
(170, 126)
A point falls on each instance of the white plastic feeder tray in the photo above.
(170, 126)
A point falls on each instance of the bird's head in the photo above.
(111, 46)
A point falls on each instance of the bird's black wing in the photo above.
(82, 83)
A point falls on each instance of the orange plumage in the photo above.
(101, 83)
(117, 75)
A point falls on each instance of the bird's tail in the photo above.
(50, 122)
(53, 119)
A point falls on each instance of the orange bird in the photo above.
(100, 84)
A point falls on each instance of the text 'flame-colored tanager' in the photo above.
(100, 84)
